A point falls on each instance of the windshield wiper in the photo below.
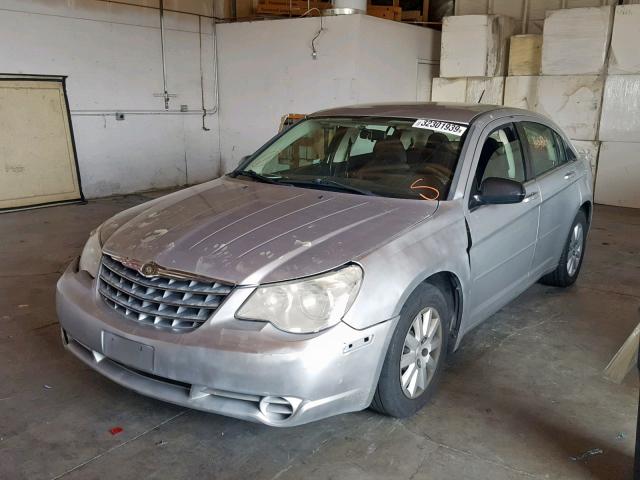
(254, 176)
(327, 182)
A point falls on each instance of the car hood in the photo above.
(244, 232)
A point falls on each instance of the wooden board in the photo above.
(37, 157)
(389, 13)
(286, 7)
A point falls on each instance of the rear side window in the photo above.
(545, 152)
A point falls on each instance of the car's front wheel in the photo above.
(568, 268)
(416, 355)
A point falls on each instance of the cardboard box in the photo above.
(620, 121)
(521, 92)
(475, 45)
(573, 102)
(525, 54)
(486, 90)
(618, 174)
(575, 41)
(624, 57)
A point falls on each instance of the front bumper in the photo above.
(247, 370)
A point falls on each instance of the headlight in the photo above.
(305, 306)
(91, 254)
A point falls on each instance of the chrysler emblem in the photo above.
(149, 269)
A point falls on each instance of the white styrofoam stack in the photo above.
(625, 54)
(618, 174)
(521, 92)
(525, 53)
(487, 90)
(475, 45)
(620, 121)
(576, 40)
(573, 102)
(449, 89)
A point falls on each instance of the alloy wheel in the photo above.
(420, 352)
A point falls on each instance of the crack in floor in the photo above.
(115, 447)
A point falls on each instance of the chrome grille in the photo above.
(161, 301)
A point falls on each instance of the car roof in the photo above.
(451, 112)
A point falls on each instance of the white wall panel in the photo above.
(143, 152)
(618, 174)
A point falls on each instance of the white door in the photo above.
(426, 72)
(37, 159)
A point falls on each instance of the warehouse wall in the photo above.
(111, 54)
(267, 70)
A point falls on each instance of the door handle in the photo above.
(570, 174)
(531, 196)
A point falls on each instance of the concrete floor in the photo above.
(523, 395)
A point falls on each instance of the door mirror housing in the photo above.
(499, 191)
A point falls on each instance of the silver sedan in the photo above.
(335, 268)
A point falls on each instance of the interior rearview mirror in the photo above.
(498, 191)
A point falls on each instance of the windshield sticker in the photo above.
(438, 126)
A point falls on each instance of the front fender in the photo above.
(394, 271)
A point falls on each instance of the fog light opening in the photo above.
(279, 409)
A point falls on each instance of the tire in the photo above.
(391, 398)
(570, 263)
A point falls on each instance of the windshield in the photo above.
(413, 159)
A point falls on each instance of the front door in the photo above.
(503, 237)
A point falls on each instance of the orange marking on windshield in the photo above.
(435, 191)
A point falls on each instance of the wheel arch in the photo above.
(587, 208)
(449, 283)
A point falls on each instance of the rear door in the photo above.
(556, 172)
(503, 237)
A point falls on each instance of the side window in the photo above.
(544, 151)
(501, 157)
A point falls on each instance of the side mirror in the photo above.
(498, 191)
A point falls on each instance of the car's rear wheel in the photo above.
(416, 354)
(570, 263)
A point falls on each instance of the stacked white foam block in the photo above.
(487, 90)
(618, 178)
(570, 88)
(473, 59)
(475, 45)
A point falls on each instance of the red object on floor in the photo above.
(116, 430)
